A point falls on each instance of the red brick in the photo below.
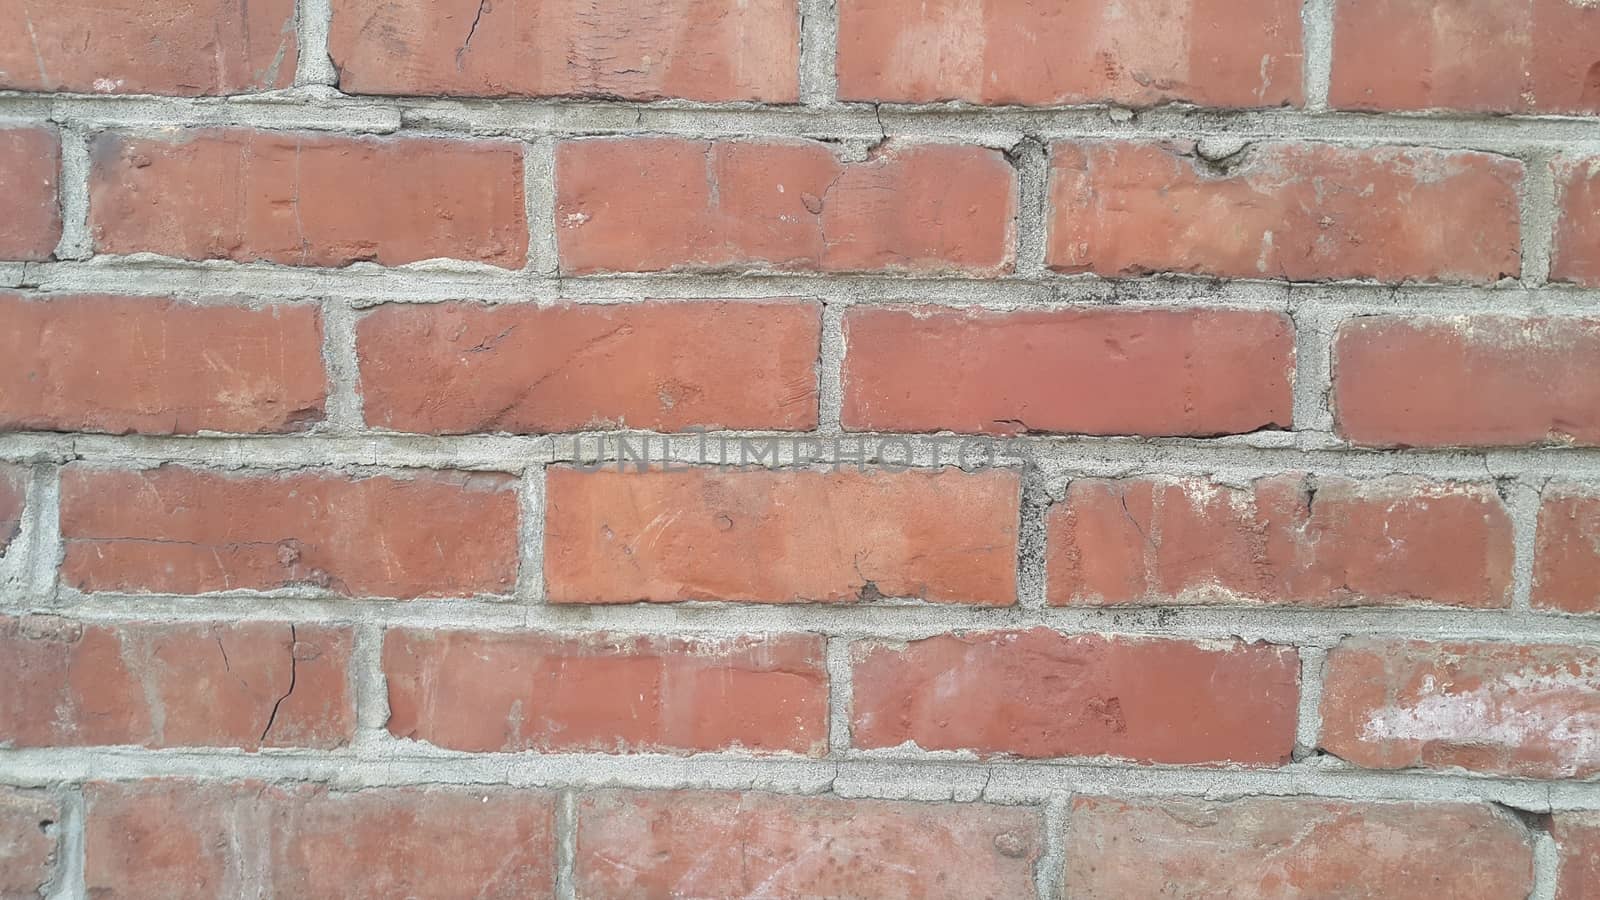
(13, 503)
(1304, 212)
(30, 843)
(489, 692)
(781, 536)
(1505, 56)
(189, 531)
(1577, 837)
(1509, 709)
(1467, 381)
(690, 49)
(308, 200)
(185, 48)
(1566, 558)
(459, 368)
(1112, 371)
(172, 838)
(30, 216)
(1293, 847)
(1289, 539)
(1140, 53)
(154, 684)
(1042, 694)
(725, 844)
(1576, 254)
(158, 366)
(652, 204)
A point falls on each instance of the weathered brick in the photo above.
(174, 838)
(459, 368)
(1575, 256)
(158, 366)
(1566, 557)
(781, 536)
(181, 47)
(30, 216)
(652, 204)
(180, 530)
(30, 843)
(1039, 693)
(1146, 372)
(155, 684)
(1510, 709)
(1290, 539)
(1577, 836)
(1293, 847)
(490, 692)
(1504, 56)
(690, 49)
(1467, 381)
(1208, 52)
(306, 199)
(725, 844)
(1302, 212)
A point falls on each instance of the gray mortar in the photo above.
(530, 540)
(378, 758)
(76, 242)
(819, 35)
(1538, 203)
(1316, 24)
(344, 404)
(539, 197)
(313, 66)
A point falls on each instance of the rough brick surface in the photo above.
(1287, 539)
(181, 530)
(182, 47)
(13, 503)
(945, 536)
(1526, 710)
(1302, 212)
(245, 685)
(157, 366)
(459, 368)
(683, 844)
(307, 200)
(690, 49)
(1566, 558)
(1043, 694)
(1467, 381)
(1575, 257)
(1207, 52)
(490, 692)
(652, 204)
(173, 838)
(30, 842)
(1577, 836)
(30, 218)
(1293, 847)
(789, 448)
(1503, 56)
(1145, 372)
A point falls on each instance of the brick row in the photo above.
(158, 835)
(624, 534)
(1522, 710)
(176, 367)
(1520, 56)
(1273, 210)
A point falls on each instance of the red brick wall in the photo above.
(942, 448)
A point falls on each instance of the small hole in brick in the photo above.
(48, 826)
